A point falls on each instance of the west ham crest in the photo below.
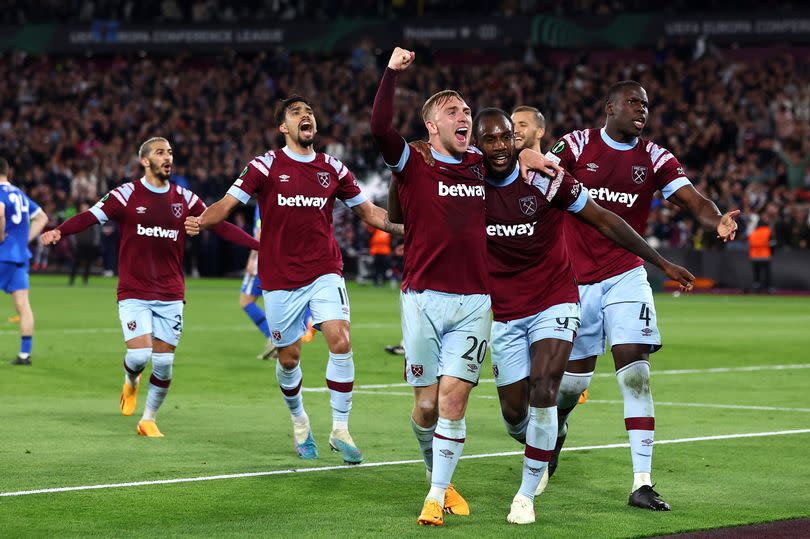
(417, 370)
(528, 205)
(478, 170)
(323, 179)
(276, 335)
(639, 173)
(131, 325)
(177, 210)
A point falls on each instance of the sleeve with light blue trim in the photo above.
(355, 200)
(674, 185)
(403, 159)
(99, 214)
(580, 202)
(238, 194)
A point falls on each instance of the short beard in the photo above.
(305, 143)
(158, 172)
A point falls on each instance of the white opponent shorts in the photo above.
(619, 309)
(444, 334)
(512, 340)
(285, 309)
(161, 319)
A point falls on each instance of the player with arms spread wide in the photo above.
(622, 171)
(534, 293)
(300, 263)
(444, 300)
(151, 286)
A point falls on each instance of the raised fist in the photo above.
(401, 59)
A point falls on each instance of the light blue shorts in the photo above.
(286, 309)
(161, 319)
(444, 334)
(13, 276)
(619, 309)
(512, 341)
(251, 285)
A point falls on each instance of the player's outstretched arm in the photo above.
(389, 141)
(232, 233)
(705, 211)
(75, 224)
(616, 229)
(377, 217)
(212, 216)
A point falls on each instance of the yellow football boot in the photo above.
(454, 504)
(148, 428)
(309, 334)
(129, 397)
(431, 514)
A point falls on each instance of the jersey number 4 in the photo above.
(645, 314)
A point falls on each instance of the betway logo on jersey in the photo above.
(158, 232)
(526, 229)
(301, 201)
(603, 193)
(460, 190)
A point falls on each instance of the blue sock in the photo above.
(257, 315)
(307, 316)
(26, 343)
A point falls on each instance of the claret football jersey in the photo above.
(152, 237)
(443, 209)
(529, 268)
(622, 178)
(296, 195)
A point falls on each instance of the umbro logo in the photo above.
(284, 178)
(140, 209)
(446, 453)
(592, 167)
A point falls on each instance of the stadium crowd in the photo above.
(71, 126)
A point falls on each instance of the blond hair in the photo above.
(437, 100)
(146, 147)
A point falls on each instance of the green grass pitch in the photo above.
(224, 415)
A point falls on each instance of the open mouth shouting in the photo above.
(306, 126)
(461, 134)
(639, 122)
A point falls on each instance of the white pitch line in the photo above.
(716, 370)
(189, 328)
(385, 463)
(607, 401)
(706, 405)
